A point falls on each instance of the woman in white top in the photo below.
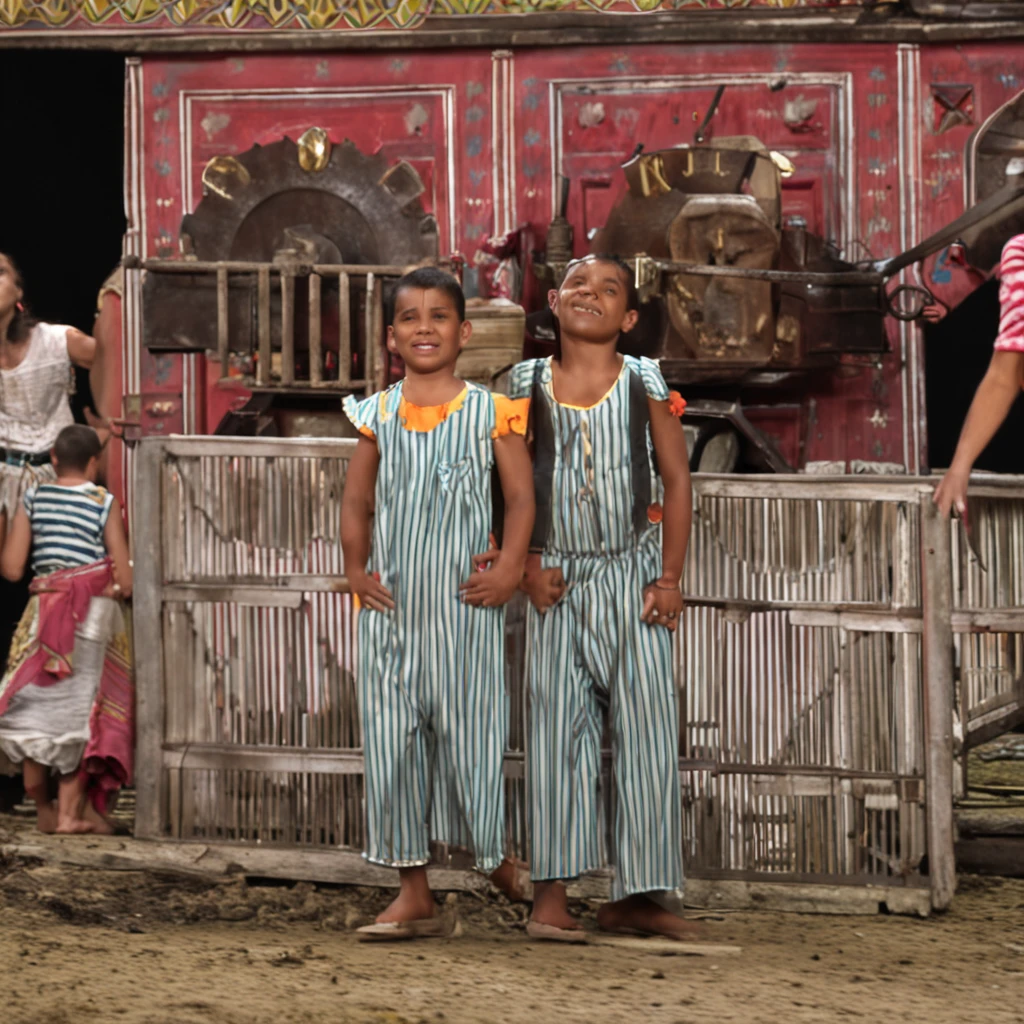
(37, 364)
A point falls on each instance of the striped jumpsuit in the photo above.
(431, 673)
(591, 651)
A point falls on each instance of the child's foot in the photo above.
(551, 906)
(73, 826)
(641, 914)
(96, 822)
(46, 817)
(406, 907)
(414, 902)
(512, 877)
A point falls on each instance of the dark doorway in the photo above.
(957, 353)
(62, 185)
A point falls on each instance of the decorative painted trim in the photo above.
(317, 15)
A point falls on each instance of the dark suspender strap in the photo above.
(640, 462)
(540, 433)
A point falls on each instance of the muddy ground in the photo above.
(82, 946)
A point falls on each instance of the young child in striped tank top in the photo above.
(415, 529)
(70, 528)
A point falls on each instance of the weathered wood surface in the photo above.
(936, 573)
(115, 853)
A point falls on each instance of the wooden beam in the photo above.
(266, 355)
(181, 447)
(316, 363)
(347, 867)
(147, 612)
(845, 26)
(937, 663)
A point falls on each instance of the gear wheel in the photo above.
(357, 210)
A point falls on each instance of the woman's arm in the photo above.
(116, 543)
(17, 548)
(996, 394)
(496, 585)
(356, 517)
(663, 601)
(81, 348)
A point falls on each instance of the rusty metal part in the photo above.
(763, 447)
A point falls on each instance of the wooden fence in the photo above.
(816, 670)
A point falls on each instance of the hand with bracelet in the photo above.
(663, 603)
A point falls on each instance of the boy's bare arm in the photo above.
(663, 601)
(500, 581)
(17, 547)
(356, 517)
(995, 396)
(117, 547)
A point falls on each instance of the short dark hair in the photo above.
(75, 446)
(632, 298)
(425, 278)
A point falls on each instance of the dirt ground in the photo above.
(80, 945)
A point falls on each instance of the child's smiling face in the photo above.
(592, 303)
(427, 332)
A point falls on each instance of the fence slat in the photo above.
(263, 363)
(316, 365)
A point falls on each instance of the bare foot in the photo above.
(414, 901)
(641, 914)
(512, 877)
(551, 906)
(96, 822)
(46, 817)
(73, 826)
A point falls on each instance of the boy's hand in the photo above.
(494, 582)
(370, 591)
(663, 604)
(544, 587)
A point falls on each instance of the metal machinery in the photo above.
(735, 299)
(286, 262)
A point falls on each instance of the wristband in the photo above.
(661, 586)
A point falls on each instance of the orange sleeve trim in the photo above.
(676, 403)
(367, 432)
(510, 416)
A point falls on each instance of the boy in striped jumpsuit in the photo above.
(416, 511)
(604, 581)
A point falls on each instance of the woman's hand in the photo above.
(663, 604)
(370, 591)
(496, 579)
(544, 587)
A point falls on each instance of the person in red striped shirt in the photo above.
(999, 387)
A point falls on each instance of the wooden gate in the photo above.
(815, 669)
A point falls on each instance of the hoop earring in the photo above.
(20, 307)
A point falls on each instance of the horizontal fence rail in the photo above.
(815, 666)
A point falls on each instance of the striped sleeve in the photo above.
(364, 415)
(650, 374)
(1011, 297)
(520, 380)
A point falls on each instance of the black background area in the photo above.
(957, 353)
(61, 197)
